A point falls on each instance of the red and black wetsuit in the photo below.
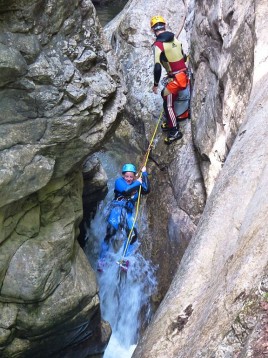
(168, 53)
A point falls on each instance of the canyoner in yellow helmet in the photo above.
(157, 20)
(168, 53)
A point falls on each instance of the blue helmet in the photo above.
(129, 168)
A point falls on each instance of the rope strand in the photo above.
(146, 156)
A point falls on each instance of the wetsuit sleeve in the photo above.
(145, 187)
(157, 65)
(125, 189)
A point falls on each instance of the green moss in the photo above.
(265, 296)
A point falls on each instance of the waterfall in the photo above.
(124, 296)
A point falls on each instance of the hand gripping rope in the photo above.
(144, 162)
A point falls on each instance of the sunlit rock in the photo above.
(177, 183)
(222, 50)
(217, 303)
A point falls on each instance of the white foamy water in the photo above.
(115, 349)
(124, 297)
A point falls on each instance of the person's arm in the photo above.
(157, 68)
(145, 186)
(125, 189)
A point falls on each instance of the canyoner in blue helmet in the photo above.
(126, 191)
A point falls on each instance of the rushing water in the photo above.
(124, 296)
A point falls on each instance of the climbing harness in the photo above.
(184, 107)
(186, 96)
(122, 262)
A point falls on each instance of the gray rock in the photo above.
(27, 44)
(86, 60)
(176, 175)
(12, 64)
(76, 93)
(29, 180)
(212, 306)
(219, 42)
(41, 71)
(50, 121)
(18, 105)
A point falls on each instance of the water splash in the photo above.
(124, 296)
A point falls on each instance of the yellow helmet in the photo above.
(156, 19)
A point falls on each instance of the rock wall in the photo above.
(217, 303)
(58, 104)
(177, 197)
(60, 99)
(222, 54)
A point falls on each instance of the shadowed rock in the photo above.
(58, 105)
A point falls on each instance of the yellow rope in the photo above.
(152, 139)
(139, 195)
(132, 228)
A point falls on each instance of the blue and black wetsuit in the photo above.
(121, 213)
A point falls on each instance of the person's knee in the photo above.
(110, 231)
(134, 236)
(166, 92)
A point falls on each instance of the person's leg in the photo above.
(134, 235)
(168, 103)
(164, 124)
(110, 232)
(131, 243)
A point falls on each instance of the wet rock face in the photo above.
(177, 196)
(94, 190)
(107, 2)
(222, 56)
(58, 103)
(216, 305)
